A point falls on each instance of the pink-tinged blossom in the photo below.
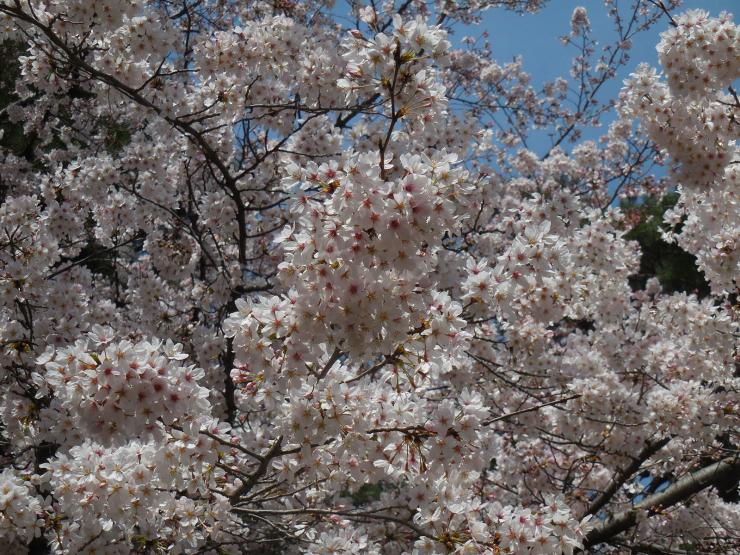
(273, 278)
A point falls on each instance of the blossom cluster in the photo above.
(20, 510)
(491, 527)
(699, 58)
(700, 53)
(668, 118)
(116, 498)
(403, 65)
(119, 391)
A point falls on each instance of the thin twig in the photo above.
(531, 409)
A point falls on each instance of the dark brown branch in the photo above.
(273, 452)
(680, 491)
(530, 409)
(623, 475)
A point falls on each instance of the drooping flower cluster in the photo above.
(699, 57)
(669, 118)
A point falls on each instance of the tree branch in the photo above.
(623, 475)
(680, 491)
(530, 409)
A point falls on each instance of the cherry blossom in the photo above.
(297, 278)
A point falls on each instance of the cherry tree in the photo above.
(291, 277)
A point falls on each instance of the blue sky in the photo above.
(535, 37)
